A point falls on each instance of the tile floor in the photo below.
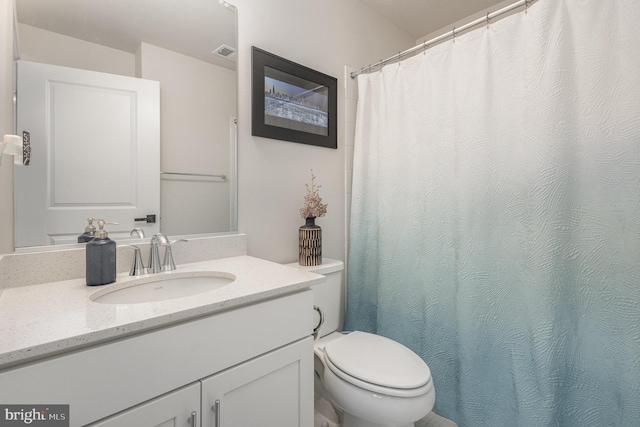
(434, 420)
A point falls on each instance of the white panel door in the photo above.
(95, 152)
(274, 390)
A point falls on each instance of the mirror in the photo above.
(189, 47)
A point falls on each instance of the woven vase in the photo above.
(310, 243)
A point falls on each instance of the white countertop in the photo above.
(45, 319)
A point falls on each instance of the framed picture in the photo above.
(292, 102)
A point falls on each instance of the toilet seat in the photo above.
(378, 364)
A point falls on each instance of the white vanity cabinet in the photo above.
(256, 360)
(265, 391)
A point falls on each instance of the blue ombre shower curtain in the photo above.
(495, 222)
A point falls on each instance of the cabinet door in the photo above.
(273, 390)
(175, 409)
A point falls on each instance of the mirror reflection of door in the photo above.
(179, 45)
(94, 153)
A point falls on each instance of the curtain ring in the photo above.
(488, 20)
(453, 33)
(526, 5)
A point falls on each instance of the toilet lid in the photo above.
(378, 360)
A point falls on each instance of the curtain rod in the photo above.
(425, 45)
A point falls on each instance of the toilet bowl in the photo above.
(370, 380)
(374, 381)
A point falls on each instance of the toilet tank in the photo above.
(329, 295)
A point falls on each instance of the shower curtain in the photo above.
(495, 223)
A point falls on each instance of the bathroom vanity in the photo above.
(239, 355)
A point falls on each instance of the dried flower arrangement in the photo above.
(313, 206)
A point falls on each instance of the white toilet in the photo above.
(370, 380)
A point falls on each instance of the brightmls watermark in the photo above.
(34, 415)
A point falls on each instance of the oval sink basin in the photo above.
(164, 287)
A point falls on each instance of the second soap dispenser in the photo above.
(101, 258)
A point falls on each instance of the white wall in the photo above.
(195, 113)
(40, 45)
(326, 36)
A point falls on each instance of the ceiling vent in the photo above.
(226, 52)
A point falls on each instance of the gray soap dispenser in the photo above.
(89, 232)
(101, 258)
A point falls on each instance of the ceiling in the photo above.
(124, 24)
(422, 17)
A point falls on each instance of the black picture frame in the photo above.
(291, 102)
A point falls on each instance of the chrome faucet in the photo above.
(157, 240)
(154, 255)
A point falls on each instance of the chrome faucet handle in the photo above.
(154, 254)
(168, 264)
(137, 267)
